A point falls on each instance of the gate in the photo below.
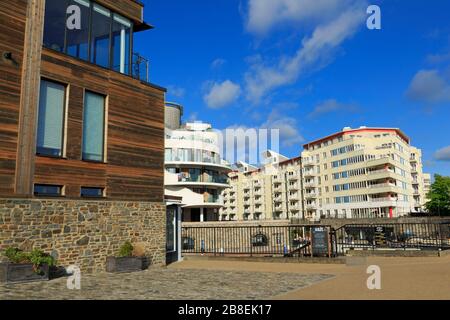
(392, 236)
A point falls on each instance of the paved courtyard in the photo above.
(401, 278)
(168, 283)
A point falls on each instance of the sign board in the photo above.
(380, 236)
(319, 241)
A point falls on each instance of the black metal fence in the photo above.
(293, 240)
(313, 240)
(422, 236)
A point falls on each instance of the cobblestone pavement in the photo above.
(164, 283)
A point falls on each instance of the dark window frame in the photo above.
(102, 189)
(111, 63)
(104, 143)
(53, 195)
(64, 120)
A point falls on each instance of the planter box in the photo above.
(20, 273)
(124, 264)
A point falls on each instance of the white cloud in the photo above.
(316, 50)
(175, 91)
(443, 154)
(222, 94)
(287, 126)
(218, 63)
(429, 86)
(332, 105)
(265, 15)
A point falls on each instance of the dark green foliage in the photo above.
(126, 250)
(35, 257)
(439, 196)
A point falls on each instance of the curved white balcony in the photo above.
(175, 179)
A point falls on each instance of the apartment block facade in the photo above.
(355, 173)
(194, 169)
(82, 132)
(362, 173)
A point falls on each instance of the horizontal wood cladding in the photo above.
(128, 8)
(135, 133)
(12, 23)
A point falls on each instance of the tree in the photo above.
(439, 196)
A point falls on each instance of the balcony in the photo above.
(293, 176)
(278, 188)
(293, 196)
(310, 173)
(308, 162)
(311, 206)
(382, 185)
(277, 179)
(140, 68)
(310, 195)
(213, 199)
(311, 184)
(258, 200)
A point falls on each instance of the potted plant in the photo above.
(125, 261)
(25, 266)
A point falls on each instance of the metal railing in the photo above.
(420, 236)
(292, 240)
(140, 68)
(313, 240)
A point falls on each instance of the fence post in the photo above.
(215, 242)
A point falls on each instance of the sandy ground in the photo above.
(401, 278)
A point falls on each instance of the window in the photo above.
(55, 24)
(101, 28)
(121, 44)
(78, 39)
(93, 127)
(48, 190)
(89, 192)
(104, 38)
(51, 119)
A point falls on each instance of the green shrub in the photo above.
(16, 255)
(126, 250)
(35, 257)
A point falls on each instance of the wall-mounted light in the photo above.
(9, 56)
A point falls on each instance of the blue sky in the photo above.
(307, 67)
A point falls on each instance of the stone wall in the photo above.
(84, 233)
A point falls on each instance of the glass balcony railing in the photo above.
(212, 199)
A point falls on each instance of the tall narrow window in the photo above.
(50, 119)
(78, 39)
(93, 127)
(55, 24)
(100, 37)
(121, 44)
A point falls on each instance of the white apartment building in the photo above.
(287, 199)
(273, 191)
(194, 169)
(362, 173)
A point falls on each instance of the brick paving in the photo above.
(168, 283)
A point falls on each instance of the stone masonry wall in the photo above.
(84, 233)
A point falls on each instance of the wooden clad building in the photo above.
(78, 115)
